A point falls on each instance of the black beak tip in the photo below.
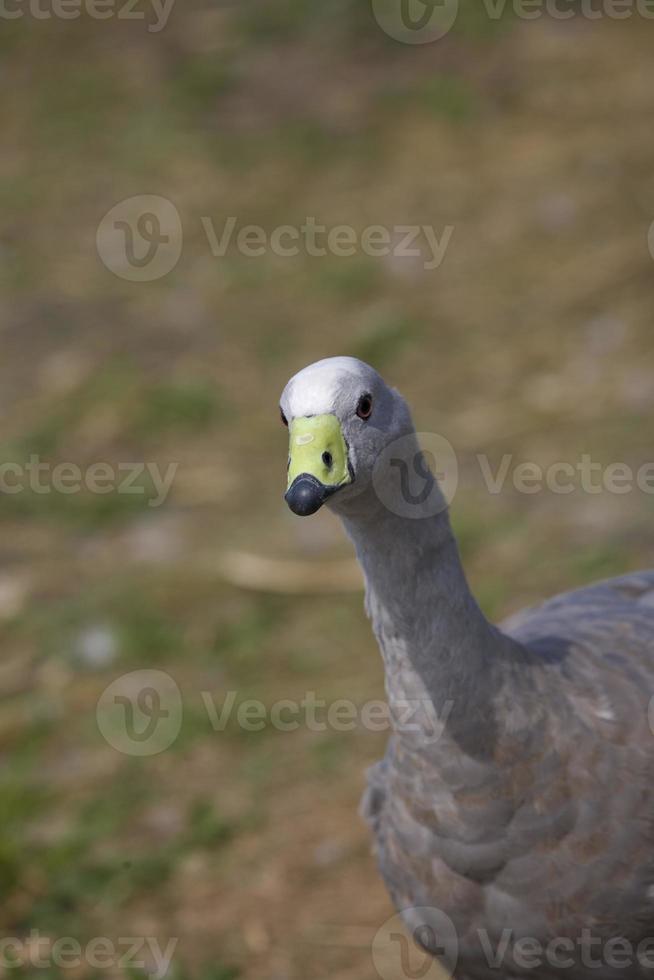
(305, 495)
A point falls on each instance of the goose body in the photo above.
(513, 812)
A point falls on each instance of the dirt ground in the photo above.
(533, 141)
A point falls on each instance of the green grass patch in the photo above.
(199, 82)
(473, 20)
(242, 639)
(595, 563)
(115, 383)
(190, 406)
(81, 509)
(349, 279)
(145, 631)
(383, 341)
(100, 864)
(447, 96)
(328, 752)
(77, 104)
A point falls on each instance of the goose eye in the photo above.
(283, 418)
(364, 407)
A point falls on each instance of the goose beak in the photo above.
(306, 495)
(318, 462)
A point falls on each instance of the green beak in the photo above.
(317, 462)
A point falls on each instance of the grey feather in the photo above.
(522, 797)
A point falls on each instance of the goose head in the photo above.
(341, 415)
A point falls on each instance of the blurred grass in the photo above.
(534, 338)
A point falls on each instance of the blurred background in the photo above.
(532, 141)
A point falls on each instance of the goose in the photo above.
(513, 811)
